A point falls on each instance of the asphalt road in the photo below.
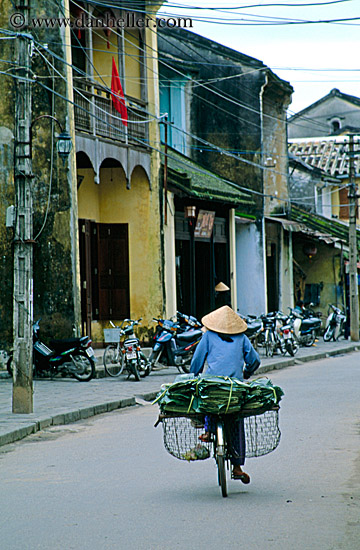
(107, 483)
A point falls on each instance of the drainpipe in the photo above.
(232, 243)
(263, 225)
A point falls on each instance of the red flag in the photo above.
(117, 94)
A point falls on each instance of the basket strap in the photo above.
(191, 402)
(230, 394)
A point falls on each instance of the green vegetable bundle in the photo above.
(217, 395)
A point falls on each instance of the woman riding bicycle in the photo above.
(228, 352)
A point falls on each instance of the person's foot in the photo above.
(238, 473)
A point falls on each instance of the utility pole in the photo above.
(165, 167)
(23, 238)
(353, 273)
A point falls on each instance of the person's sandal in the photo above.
(242, 476)
(206, 437)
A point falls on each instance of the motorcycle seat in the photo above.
(68, 343)
(253, 327)
(190, 335)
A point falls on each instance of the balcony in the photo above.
(95, 114)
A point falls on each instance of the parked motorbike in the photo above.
(335, 324)
(306, 326)
(255, 330)
(172, 346)
(187, 322)
(288, 339)
(72, 356)
(135, 361)
(272, 336)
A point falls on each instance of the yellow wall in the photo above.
(324, 267)
(88, 196)
(102, 59)
(132, 63)
(111, 202)
(102, 56)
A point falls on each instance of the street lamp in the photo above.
(64, 146)
(64, 143)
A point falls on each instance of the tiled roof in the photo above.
(321, 227)
(328, 154)
(196, 181)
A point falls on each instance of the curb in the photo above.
(69, 416)
(63, 418)
(307, 358)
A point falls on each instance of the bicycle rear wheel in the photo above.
(220, 458)
(113, 360)
(220, 461)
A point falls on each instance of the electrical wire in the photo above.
(204, 171)
(179, 72)
(245, 189)
(238, 159)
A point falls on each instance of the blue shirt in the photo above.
(225, 358)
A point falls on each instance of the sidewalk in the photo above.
(65, 400)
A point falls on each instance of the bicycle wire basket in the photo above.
(181, 435)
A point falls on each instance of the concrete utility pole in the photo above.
(353, 274)
(23, 239)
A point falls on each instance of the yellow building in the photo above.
(120, 248)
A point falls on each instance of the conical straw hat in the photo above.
(221, 287)
(224, 320)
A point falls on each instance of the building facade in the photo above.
(98, 253)
(227, 113)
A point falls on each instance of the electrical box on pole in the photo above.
(23, 227)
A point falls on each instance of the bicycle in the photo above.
(113, 356)
(181, 438)
(128, 354)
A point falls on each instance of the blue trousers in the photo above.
(235, 432)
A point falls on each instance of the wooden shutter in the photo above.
(85, 275)
(113, 271)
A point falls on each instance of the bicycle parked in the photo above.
(125, 354)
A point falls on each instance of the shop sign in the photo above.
(204, 224)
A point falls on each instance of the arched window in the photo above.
(335, 125)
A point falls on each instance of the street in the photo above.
(108, 483)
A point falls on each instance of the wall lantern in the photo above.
(310, 250)
(64, 146)
(190, 212)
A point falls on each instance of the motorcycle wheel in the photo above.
(295, 345)
(113, 360)
(328, 334)
(142, 368)
(10, 368)
(186, 367)
(85, 365)
(9, 365)
(145, 366)
(311, 339)
(135, 370)
(289, 348)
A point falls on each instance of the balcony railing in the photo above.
(95, 114)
